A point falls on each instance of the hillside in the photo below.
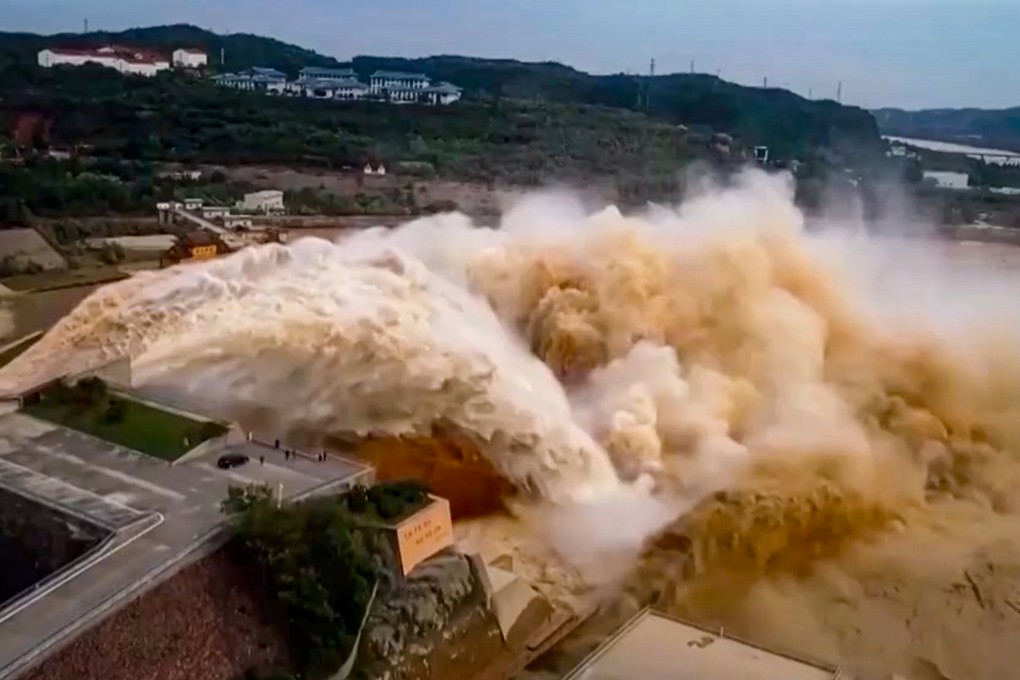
(788, 123)
(174, 118)
(997, 128)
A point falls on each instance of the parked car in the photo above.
(231, 460)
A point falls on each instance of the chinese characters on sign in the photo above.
(425, 534)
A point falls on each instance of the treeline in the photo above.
(49, 188)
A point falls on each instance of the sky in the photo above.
(905, 53)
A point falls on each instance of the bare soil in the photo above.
(202, 623)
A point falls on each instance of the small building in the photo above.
(234, 222)
(193, 203)
(267, 201)
(374, 167)
(194, 246)
(213, 211)
(653, 646)
(947, 180)
(444, 93)
(187, 57)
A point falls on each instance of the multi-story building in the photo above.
(381, 81)
(398, 86)
(130, 60)
(316, 88)
(315, 73)
(255, 79)
(408, 88)
(190, 58)
(343, 84)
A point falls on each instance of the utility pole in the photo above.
(839, 92)
(810, 93)
(223, 56)
(86, 24)
(765, 82)
(692, 67)
(648, 87)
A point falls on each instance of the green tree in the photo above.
(314, 562)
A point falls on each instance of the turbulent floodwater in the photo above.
(817, 436)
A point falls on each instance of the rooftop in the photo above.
(267, 72)
(192, 50)
(400, 75)
(653, 646)
(131, 54)
(445, 88)
(329, 84)
(316, 72)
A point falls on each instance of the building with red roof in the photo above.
(131, 60)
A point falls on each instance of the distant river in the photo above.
(949, 147)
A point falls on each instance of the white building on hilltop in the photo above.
(316, 73)
(129, 60)
(190, 58)
(397, 86)
(327, 88)
(255, 80)
(343, 84)
(947, 180)
(407, 88)
(267, 201)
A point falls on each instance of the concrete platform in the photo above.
(164, 516)
(653, 646)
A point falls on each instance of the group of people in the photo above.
(288, 454)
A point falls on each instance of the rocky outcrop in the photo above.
(407, 618)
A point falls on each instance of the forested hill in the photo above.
(998, 128)
(786, 122)
(779, 118)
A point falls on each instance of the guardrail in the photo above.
(204, 545)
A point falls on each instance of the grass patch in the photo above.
(122, 421)
(18, 348)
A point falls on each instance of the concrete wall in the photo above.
(203, 449)
(116, 373)
(37, 540)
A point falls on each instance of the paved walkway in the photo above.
(79, 470)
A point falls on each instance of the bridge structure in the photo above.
(232, 240)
